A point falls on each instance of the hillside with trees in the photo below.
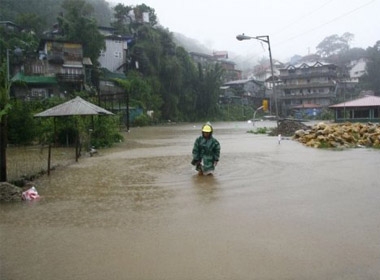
(167, 81)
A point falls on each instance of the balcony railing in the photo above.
(287, 76)
(76, 78)
(307, 85)
(306, 96)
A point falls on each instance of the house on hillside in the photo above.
(306, 83)
(263, 72)
(365, 109)
(357, 69)
(243, 92)
(205, 60)
(115, 56)
(58, 70)
(10, 26)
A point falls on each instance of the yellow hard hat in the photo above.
(207, 128)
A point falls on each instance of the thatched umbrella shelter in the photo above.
(73, 107)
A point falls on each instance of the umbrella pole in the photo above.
(77, 142)
(49, 159)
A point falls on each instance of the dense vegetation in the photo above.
(166, 82)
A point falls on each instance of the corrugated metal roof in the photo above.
(34, 80)
(108, 75)
(239, 82)
(86, 61)
(73, 107)
(366, 101)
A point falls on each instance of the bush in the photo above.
(22, 127)
(106, 132)
(259, 130)
(142, 120)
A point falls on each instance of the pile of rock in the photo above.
(344, 135)
(288, 127)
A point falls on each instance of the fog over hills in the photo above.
(193, 45)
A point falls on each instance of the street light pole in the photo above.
(265, 39)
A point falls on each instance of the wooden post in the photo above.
(49, 160)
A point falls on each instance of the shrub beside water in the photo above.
(259, 130)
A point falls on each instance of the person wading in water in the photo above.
(206, 151)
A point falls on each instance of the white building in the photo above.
(114, 57)
(357, 70)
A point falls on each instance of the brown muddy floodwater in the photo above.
(139, 211)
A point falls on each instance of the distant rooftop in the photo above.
(366, 101)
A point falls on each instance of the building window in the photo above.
(38, 92)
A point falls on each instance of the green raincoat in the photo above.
(205, 152)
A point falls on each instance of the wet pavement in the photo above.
(139, 211)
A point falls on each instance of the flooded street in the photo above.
(140, 211)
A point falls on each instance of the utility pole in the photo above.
(265, 39)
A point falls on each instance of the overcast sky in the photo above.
(294, 26)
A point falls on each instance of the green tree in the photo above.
(22, 125)
(371, 79)
(334, 44)
(44, 9)
(78, 25)
(189, 80)
(102, 11)
(127, 19)
(31, 23)
(208, 91)
(139, 91)
(122, 19)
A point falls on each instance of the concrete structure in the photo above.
(306, 83)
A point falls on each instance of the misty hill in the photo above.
(190, 44)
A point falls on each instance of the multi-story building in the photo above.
(115, 55)
(308, 84)
(243, 92)
(357, 69)
(263, 72)
(114, 62)
(58, 69)
(230, 73)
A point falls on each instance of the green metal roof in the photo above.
(34, 80)
(108, 75)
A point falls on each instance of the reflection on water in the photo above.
(206, 187)
(140, 211)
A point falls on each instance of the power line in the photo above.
(328, 22)
(304, 16)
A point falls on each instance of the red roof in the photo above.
(366, 101)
